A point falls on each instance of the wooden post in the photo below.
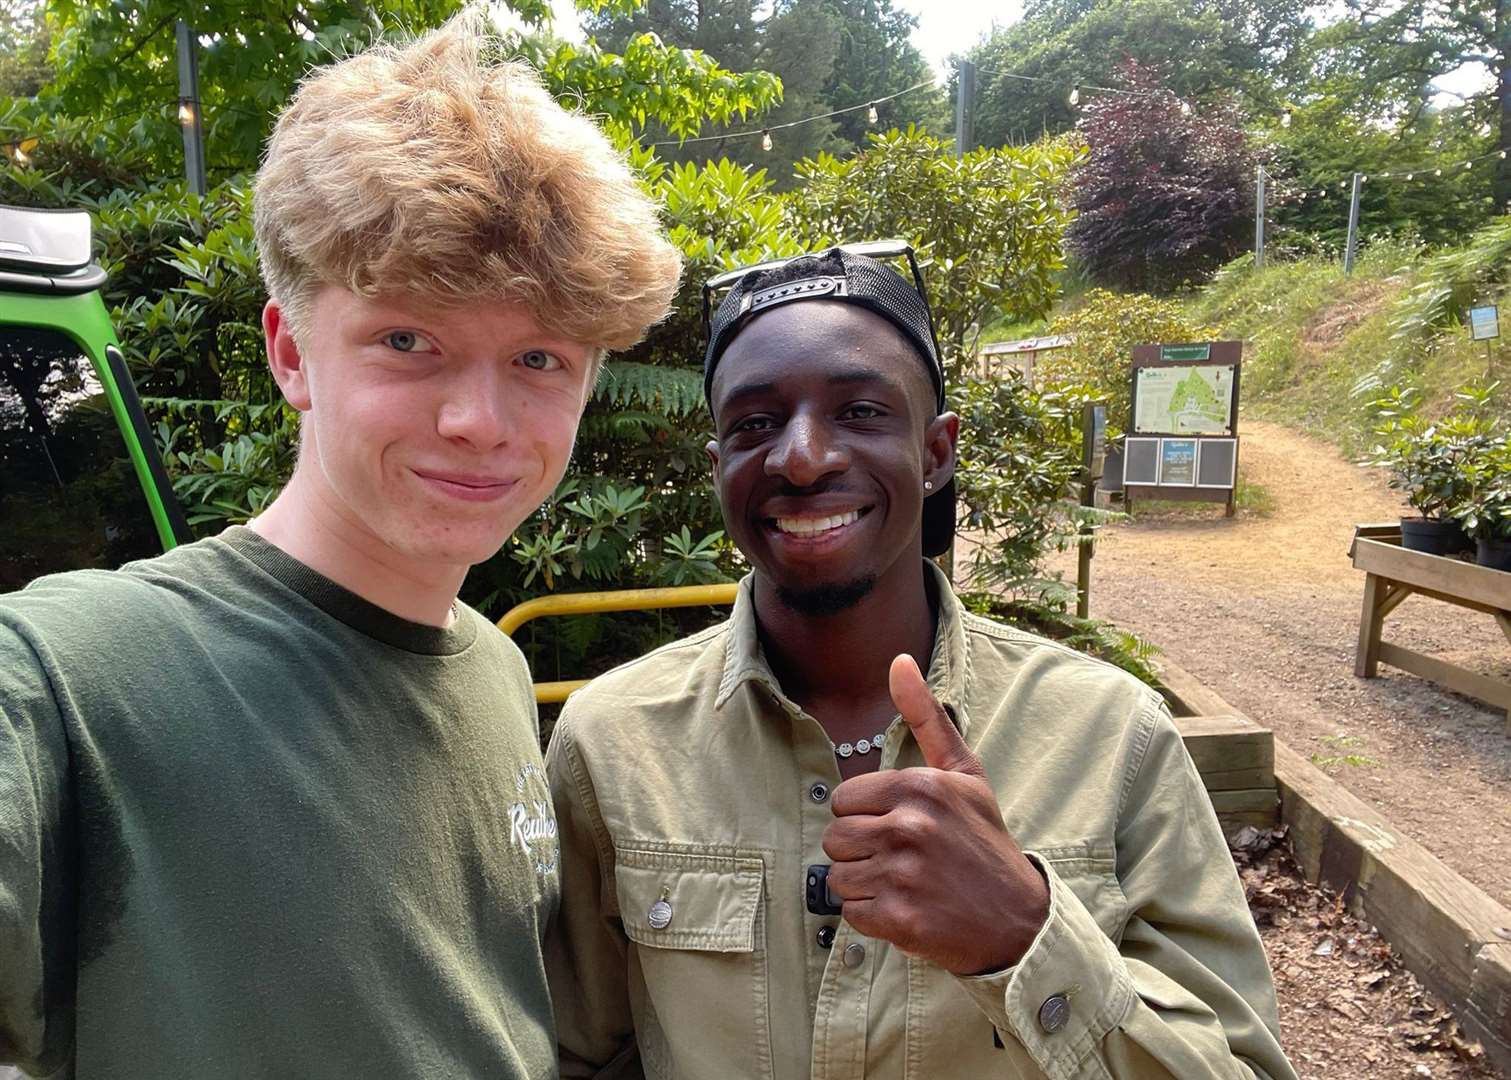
(1367, 658)
(1083, 553)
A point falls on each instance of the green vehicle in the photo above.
(50, 299)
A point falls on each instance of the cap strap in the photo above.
(802, 289)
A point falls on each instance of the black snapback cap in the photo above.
(852, 278)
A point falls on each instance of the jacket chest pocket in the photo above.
(697, 923)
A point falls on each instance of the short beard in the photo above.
(824, 600)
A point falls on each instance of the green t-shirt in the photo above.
(252, 825)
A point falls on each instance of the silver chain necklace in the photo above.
(864, 746)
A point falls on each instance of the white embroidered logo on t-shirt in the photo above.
(532, 825)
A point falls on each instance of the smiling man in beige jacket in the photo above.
(1033, 883)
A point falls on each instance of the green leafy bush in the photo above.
(1484, 510)
(1019, 458)
(1105, 329)
(1437, 464)
(988, 227)
(1018, 472)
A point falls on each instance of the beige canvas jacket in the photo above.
(688, 777)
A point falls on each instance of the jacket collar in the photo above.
(949, 664)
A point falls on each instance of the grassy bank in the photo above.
(1319, 344)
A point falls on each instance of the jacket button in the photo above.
(825, 937)
(1054, 1014)
(855, 954)
(818, 792)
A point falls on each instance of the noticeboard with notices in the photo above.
(1182, 440)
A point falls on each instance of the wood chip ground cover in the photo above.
(1349, 1010)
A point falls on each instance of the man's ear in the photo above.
(939, 447)
(284, 357)
(712, 450)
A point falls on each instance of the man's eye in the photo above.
(540, 360)
(861, 412)
(408, 341)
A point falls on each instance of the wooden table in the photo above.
(1391, 575)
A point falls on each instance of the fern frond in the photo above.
(630, 424)
(675, 391)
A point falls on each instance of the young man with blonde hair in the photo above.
(272, 804)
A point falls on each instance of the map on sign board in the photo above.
(1182, 400)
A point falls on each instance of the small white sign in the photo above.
(1484, 323)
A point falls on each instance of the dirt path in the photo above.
(1265, 610)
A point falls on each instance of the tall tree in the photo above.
(1414, 183)
(875, 59)
(23, 48)
(116, 64)
(1166, 193)
(729, 30)
(1208, 48)
(1382, 61)
(828, 54)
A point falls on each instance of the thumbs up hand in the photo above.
(921, 856)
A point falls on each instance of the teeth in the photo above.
(813, 526)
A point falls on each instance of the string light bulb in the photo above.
(1468, 164)
(1285, 119)
(1075, 96)
(18, 151)
(766, 140)
(871, 113)
(1411, 176)
(185, 112)
(1501, 155)
(1437, 172)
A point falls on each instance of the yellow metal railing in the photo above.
(590, 603)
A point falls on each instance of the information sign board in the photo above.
(1484, 323)
(1186, 352)
(1177, 462)
(1094, 440)
(1180, 400)
(1182, 439)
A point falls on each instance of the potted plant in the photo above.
(1485, 510)
(1427, 461)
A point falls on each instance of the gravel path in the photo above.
(1265, 610)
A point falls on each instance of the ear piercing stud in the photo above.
(928, 485)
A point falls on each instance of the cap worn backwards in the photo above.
(840, 275)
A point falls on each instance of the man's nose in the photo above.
(806, 452)
(477, 409)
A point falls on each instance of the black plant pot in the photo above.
(1495, 554)
(1433, 537)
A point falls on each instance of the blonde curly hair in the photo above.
(431, 172)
